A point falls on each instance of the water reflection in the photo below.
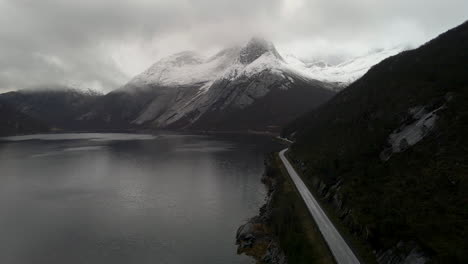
(127, 199)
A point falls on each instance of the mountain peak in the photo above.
(255, 48)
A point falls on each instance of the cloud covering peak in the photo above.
(102, 44)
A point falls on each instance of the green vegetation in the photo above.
(292, 223)
(419, 194)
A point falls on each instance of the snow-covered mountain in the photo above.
(251, 87)
(344, 73)
(189, 68)
(188, 90)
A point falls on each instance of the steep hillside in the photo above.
(390, 152)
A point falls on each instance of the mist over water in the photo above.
(119, 198)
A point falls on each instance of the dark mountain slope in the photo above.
(393, 147)
(14, 122)
(117, 109)
(58, 107)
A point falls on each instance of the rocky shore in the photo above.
(256, 237)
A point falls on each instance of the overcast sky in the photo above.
(101, 44)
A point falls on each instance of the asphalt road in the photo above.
(340, 250)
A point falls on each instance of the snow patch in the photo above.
(185, 68)
(346, 72)
(265, 62)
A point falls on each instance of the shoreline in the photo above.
(255, 238)
(152, 131)
(283, 231)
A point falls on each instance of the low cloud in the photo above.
(102, 44)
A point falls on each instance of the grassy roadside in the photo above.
(292, 224)
(362, 251)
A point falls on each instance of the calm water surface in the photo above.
(123, 198)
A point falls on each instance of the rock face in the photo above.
(419, 123)
(245, 237)
(403, 253)
(255, 238)
(255, 49)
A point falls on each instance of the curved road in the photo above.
(340, 250)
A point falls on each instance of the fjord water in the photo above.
(123, 198)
